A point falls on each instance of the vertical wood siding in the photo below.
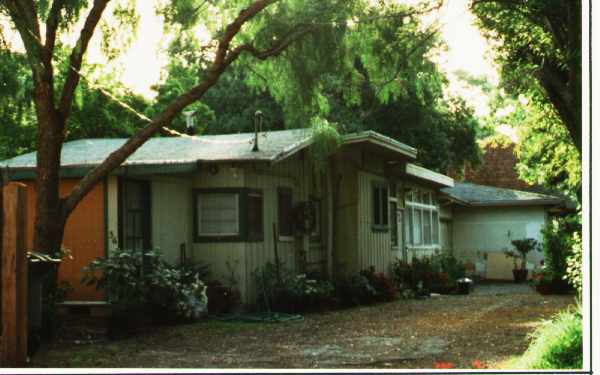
(84, 237)
(295, 173)
(374, 247)
(172, 218)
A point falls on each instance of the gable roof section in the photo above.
(479, 195)
(182, 153)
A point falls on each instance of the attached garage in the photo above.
(486, 219)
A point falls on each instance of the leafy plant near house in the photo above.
(135, 280)
(574, 271)
(354, 290)
(293, 293)
(384, 287)
(437, 273)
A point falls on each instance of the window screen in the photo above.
(218, 214)
(255, 216)
(284, 212)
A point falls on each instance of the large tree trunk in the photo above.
(50, 218)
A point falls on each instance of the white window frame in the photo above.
(425, 209)
(220, 234)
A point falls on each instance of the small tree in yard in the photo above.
(305, 32)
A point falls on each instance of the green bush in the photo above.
(558, 344)
(290, 292)
(135, 278)
(574, 271)
(558, 242)
(437, 273)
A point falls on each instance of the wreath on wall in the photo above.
(305, 217)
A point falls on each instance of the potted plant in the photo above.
(522, 248)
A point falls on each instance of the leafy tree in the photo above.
(384, 81)
(538, 46)
(306, 32)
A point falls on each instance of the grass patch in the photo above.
(557, 344)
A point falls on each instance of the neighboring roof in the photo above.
(182, 153)
(480, 195)
(414, 170)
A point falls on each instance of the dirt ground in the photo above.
(486, 328)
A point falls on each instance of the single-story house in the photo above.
(223, 201)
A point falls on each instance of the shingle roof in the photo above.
(174, 150)
(480, 195)
(171, 151)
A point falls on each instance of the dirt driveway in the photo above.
(486, 327)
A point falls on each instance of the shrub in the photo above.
(293, 293)
(437, 273)
(574, 270)
(384, 287)
(557, 243)
(558, 344)
(133, 279)
(354, 290)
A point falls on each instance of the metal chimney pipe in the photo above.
(189, 122)
(258, 119)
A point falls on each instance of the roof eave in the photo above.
(382, 141)
(421, 173)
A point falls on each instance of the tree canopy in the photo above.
(538, 39)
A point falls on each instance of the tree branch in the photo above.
(76, 58)
(52, 24)
(117, 157)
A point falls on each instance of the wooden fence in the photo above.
(13, 277)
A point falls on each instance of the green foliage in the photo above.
(436, 273)
(355, 290)
(557, 344)
(522, 248)
(294, 292)
(135, 277)
(546, 153)
(574, 270)
(326, 140)
(558, 242)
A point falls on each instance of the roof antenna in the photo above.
(258, 119)
(189, 122)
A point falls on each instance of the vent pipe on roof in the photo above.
(258, 119)
(189, 122)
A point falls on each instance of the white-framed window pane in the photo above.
(218, 213)
(436, 228)
(394, 223)
(427, 227)
(417, 230)
(408, 225)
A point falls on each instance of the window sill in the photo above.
(286, 238)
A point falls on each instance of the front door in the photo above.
(134, 215)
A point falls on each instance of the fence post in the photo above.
(14, 277)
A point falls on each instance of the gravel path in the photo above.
(485, 328)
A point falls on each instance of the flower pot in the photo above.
(520, 275)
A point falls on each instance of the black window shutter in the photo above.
(376, 206)
(384, 206)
